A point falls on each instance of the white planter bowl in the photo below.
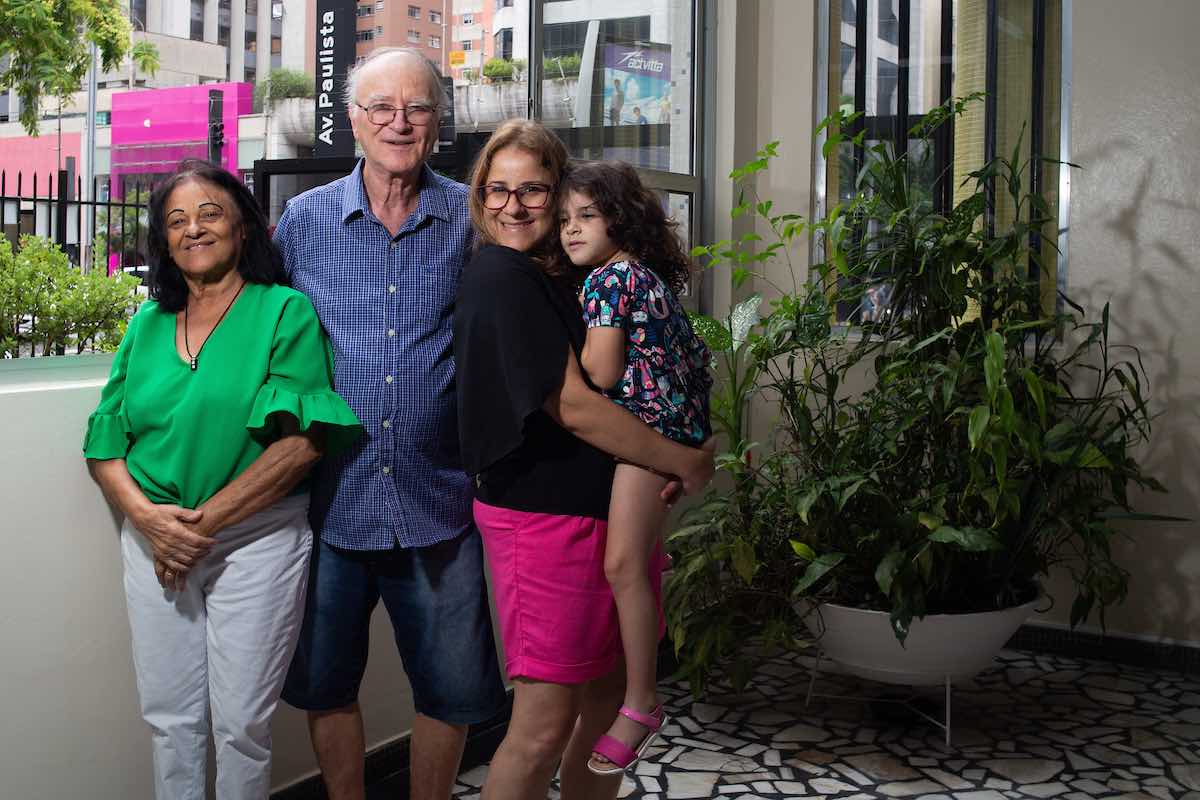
(941, 646)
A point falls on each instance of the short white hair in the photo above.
(437, 92)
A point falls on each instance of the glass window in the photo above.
(413, 35)
(366, 11)
(504, 44)
(414, 12)
(617, 85)
(946, 55)
(364, 36)
(196, 22)
(435, 17)
(468, 19)
(468, 45)
(435, 42)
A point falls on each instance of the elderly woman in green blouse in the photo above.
(219, 402)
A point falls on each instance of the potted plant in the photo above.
(938, 458)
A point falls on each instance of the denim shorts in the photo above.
(437, 600)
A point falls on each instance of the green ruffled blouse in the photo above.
(185, 434)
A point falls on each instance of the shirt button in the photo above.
(392, 289)
(391, 332)
(389, 379)
(387, 470)
(387, 423)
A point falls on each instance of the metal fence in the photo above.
(95, 232)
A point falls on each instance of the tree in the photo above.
(48, 47)
(143, 56)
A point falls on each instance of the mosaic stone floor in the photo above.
(1036, 726)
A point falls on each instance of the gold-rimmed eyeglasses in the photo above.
(530, 195)
(384, 113)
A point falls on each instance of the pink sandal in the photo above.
(621, 755)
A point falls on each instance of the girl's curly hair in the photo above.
(636, 220)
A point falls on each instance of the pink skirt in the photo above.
(558, 620)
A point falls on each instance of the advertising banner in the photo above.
(637, 84)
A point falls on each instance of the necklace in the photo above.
(186, 346)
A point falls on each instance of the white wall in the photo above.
(71, 723)
(1134, 241)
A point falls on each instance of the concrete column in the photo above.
(262, 61)
(237, 41)
(297, 42)
(210, 20)
(154, 16)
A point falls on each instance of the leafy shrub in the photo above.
(48, 305)
(498, 69)
(562, 66)
(282, 83)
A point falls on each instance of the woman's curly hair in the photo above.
(636, 220)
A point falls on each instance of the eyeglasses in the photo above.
(529, 195)
(383, 114)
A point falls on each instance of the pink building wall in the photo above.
(153, 130)
(30, 155)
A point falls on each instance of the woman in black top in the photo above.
(540, 441)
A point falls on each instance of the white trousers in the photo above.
(223, 642)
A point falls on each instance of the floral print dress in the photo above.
(667, 379)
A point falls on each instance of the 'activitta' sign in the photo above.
(335, 56)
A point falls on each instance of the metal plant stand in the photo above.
(906, 702)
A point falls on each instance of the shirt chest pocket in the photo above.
(426, 296)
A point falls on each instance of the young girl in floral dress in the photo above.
(642, 352)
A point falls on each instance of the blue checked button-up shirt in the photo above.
(387, 303)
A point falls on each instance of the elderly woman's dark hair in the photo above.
(260, 260)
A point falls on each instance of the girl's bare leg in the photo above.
(635, 522)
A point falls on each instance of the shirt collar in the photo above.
(431, 201)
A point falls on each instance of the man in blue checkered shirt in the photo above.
(379, 252)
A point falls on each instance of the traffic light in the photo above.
(216, 140)
(216, 127)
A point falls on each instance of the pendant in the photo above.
(193, 363)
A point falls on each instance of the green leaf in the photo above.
(805, 504)
(1089, 457)
(817, 569)
(993, 364)
(930, 521)
(803, 550)
(745, 562)
(970, 539)
(715, 334)
(848, 492)
(1033, 384)
(886, 571)
(688, 530)
(976, 424)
